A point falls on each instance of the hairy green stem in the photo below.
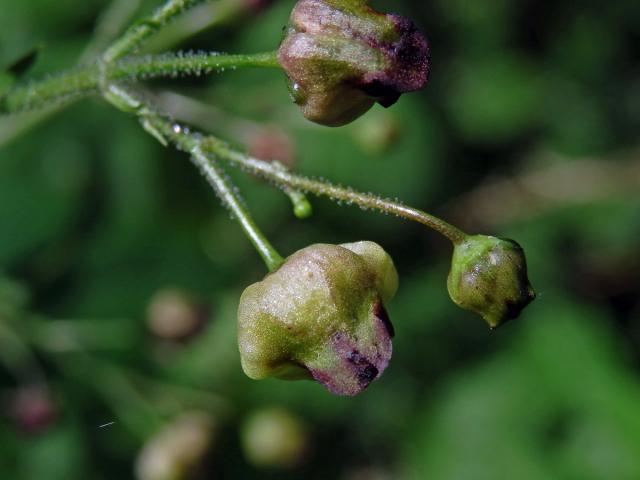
(216, 179)
(142, 30)
(88, 79)
(198, 19)
(110, 23)
(347, 195)
(190, 143)
(177, 64)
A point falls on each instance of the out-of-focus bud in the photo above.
(321, 315)
(177, 451)
(272, 143)
(256, 6)
(274, 438)
(174, 315)
(489, 276)
(341, 57)
(32, 408)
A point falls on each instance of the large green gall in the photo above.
(342, 56)
(489, 276)
(321, 315)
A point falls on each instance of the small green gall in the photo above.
(321, 315)
(342, 56)
(489, 276)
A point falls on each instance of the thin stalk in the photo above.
(176, 64)
(192, 144)
(366, 201)
(203, 17)
(216, 179)
(198, 113)
(87, 79)
(54, 90)
(110, 23)
(142, 30)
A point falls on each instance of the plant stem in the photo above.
(85, 80)
(198, 19)
(271, 257)
(298, 182)
(176, 64)
(55, 89)
(142, 30)
(110, 23)
(191, 143)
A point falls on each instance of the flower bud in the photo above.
(341, 57)
(174, 315)
(33, 408)
(177, 450)
(489, 276)
(321, 315)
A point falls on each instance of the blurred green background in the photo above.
(120, 273)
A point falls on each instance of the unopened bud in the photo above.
(489, 276)
(272, 143)
(342, 57)
(177, 450)
(174, 315)
(32, 408)
(321, 315)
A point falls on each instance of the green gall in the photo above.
(342, 56)
(489, 276)
(321, 315)
(380, 262)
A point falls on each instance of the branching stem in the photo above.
(321, 188)
(142, 30)
(85, 80)
(200, 146)
(192, 143)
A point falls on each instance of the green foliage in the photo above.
(95, 218)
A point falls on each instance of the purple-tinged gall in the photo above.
(321, 315)
(342, 56)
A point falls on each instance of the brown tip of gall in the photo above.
(381, 313)
(409, 59)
